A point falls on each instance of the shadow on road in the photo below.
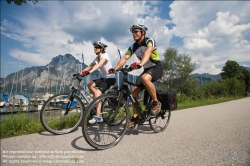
(46, 133)
(73, 143)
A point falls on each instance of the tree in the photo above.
(177, 69)
(246, 78)
(231, 70)
(20, 2)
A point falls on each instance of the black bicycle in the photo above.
(115, 112)
(63, 113)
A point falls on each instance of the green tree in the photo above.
(20, 2)
(231, 70)
(246, 79)
(177, 69)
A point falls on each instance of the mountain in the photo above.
(247, 68)
(206, 77)
(53, 78)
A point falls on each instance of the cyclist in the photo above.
(146, 51)
(102, 62)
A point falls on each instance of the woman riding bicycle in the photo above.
(145, 49)
(102, 62)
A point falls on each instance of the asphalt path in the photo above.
(211, 135)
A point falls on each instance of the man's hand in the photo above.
(135, 65)
(85, 72)
(111, 70)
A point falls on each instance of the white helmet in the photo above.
(100, 44)
(138, 26)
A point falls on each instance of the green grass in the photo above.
(189, 103)
(20, 124)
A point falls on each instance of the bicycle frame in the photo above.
(124, 87)
(78, 88)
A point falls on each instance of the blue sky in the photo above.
(210, 32)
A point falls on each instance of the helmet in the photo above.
(100, 44)
(138, 26)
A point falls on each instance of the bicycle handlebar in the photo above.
(124, 70)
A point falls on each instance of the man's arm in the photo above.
(147, 54)
(122, 61)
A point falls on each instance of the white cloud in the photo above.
(214, 34)
(210, 35)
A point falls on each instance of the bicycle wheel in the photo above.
(52, 114)
(160, 122)
(115, 115)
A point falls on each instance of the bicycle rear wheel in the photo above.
(160, 122)
(52, 114)
(115, 115)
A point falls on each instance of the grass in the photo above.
(189, 103)
(21, 124)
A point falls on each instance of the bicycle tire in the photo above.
(108, 133)
(160, 122)
(52, 114)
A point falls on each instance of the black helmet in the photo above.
(138, 26)
(99, 44)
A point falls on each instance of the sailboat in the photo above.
(20, 99)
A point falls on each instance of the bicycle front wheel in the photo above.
(160, 122)
(53, 114)
(115, 114)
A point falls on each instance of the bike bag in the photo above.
(168, 100)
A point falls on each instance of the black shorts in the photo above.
(156, 72)
(104, 83)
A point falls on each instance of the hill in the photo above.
(54, 77)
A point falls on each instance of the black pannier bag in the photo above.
(168, 100)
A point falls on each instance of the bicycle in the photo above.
(110, 132)
(63, 113)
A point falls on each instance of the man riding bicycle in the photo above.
(146, 51)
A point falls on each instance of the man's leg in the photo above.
(156, 105)
(147, 81)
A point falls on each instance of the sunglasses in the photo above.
(97, 47)
(135, 31)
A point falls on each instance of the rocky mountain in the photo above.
(53, 78)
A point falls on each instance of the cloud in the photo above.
(214, 34)
(31, 58)
(209, 35)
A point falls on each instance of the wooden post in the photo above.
(21, 105)
(36, 102)
(13, 102)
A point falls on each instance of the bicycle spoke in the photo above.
(52, 114)
(109, 132)
(160, 122)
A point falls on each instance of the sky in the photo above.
(210, 32)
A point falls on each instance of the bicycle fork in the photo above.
(71, 97)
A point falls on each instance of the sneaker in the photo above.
(133, 122)
(156, 108)
(96, 119)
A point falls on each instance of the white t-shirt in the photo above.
(107, 65)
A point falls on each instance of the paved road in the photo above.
(209, 135)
